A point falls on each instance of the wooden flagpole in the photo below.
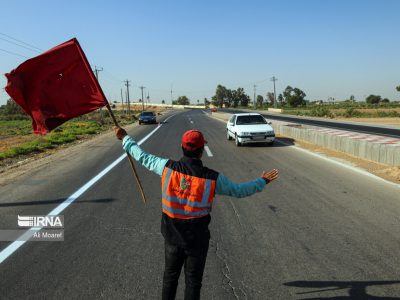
(129, 156)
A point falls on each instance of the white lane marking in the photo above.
(208, 151)
(10, 249)
(345, 165)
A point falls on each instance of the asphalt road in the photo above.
(320, 231)
(377, 130)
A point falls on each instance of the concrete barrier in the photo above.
(276, 110)
(382, 153)
(388, 154)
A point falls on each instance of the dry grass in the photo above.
(380, 121)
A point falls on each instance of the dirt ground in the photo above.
(13, 141)
(378, 121)
(384, 171)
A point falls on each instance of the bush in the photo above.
(321, 111)
(66, 133)
(385, 114)
(351, 112)
(13, 117)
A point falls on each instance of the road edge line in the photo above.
(14, 246)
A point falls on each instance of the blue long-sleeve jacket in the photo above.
(224, 186)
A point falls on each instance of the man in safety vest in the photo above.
(188, 189)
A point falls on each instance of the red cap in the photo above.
(192, 140)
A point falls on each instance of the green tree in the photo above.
(236, 97)
(294, 96)
(398, 88)
(239, 97)
(281, 99)
(260, 100)
(245, 100)
(270, 98)
(228, 97)
(385, 100)
(12, 108)
(373, 99)
(182, 100)
(163, 102)
(221, 96)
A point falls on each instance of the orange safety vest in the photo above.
(186, 196)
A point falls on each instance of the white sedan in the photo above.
(249, 128)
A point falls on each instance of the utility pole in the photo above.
(126, 101)
(254, 99)
(142, 87)
(274, 79)
(96, 72)
(122, 102)
(127, 94)
(172, 99)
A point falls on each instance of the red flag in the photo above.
(55, 86)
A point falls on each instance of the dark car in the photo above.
(147, 117)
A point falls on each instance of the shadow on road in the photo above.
(357, 289)
(55, 201)
(279, 142)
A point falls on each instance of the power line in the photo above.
(261, 81)
(11, 42)
(22, 42)
(112, 76)
(13, 53)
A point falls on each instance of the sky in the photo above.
(327, 48)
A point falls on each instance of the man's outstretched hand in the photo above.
(270, 175)
(120, 132)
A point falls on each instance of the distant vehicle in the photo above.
(147, 117)
(249, 128)
(213, 109)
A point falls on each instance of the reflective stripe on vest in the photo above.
(185, 196)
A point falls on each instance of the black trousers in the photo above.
(193, 260)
